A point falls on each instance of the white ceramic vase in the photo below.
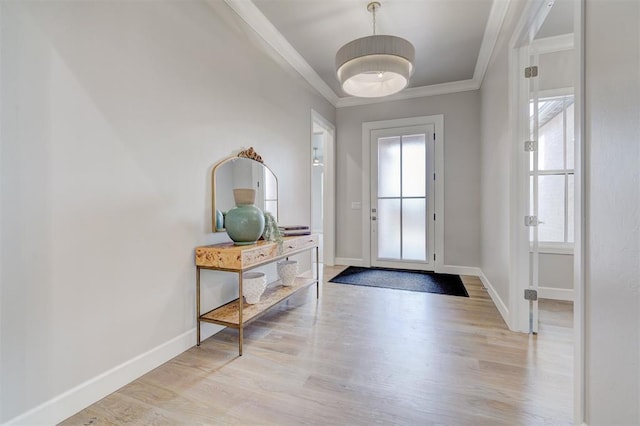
(287, 272)
(253, 285)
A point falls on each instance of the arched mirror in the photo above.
(246, 170)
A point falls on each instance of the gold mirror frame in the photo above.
(246, 155)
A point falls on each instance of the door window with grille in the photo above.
(555, 174)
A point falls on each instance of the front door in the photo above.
(402, 197)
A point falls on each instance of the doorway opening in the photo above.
(547, 58)
(546, 78)
(321, 158)
(317, 188)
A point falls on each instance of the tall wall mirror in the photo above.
(246, 170)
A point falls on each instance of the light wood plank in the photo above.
(362, 355)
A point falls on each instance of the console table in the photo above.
(239, 259)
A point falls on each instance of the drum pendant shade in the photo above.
(375, 66)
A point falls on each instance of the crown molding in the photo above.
(265, 29)
(490, 38)
(250, 13)
(413, 92)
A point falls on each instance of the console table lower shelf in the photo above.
(229, 314)
(239, 259)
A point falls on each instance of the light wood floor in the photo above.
(362, 356)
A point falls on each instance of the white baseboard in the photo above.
(348, 261)
(76, 399)
(459, 270)
(502, 308)
(555, 293)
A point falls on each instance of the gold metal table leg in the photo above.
(240, 305)
(198, 302)
(317, 272)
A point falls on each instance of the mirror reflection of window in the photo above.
(271, 193)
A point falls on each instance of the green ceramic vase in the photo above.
(245, 222)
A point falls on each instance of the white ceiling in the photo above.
(453, 38)
(318, 29)
(559, 21)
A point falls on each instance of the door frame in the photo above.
(429, 197)
(328, 184)
(367, 127)
(530, 21)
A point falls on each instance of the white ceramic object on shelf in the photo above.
(253, 285)
(287, 271)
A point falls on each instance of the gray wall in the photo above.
(462, 171)
(555, 272)
(557, 69)
(113, 114)
(612, 144)
(496, 160)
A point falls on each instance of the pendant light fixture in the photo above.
(375, 66)
(316, 160)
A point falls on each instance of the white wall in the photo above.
(612, 144)
(462, 171)
(113, 114)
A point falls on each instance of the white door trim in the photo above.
(438, 122)
(328, 201)
(579, 245)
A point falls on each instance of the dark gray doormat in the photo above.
(400, 279)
